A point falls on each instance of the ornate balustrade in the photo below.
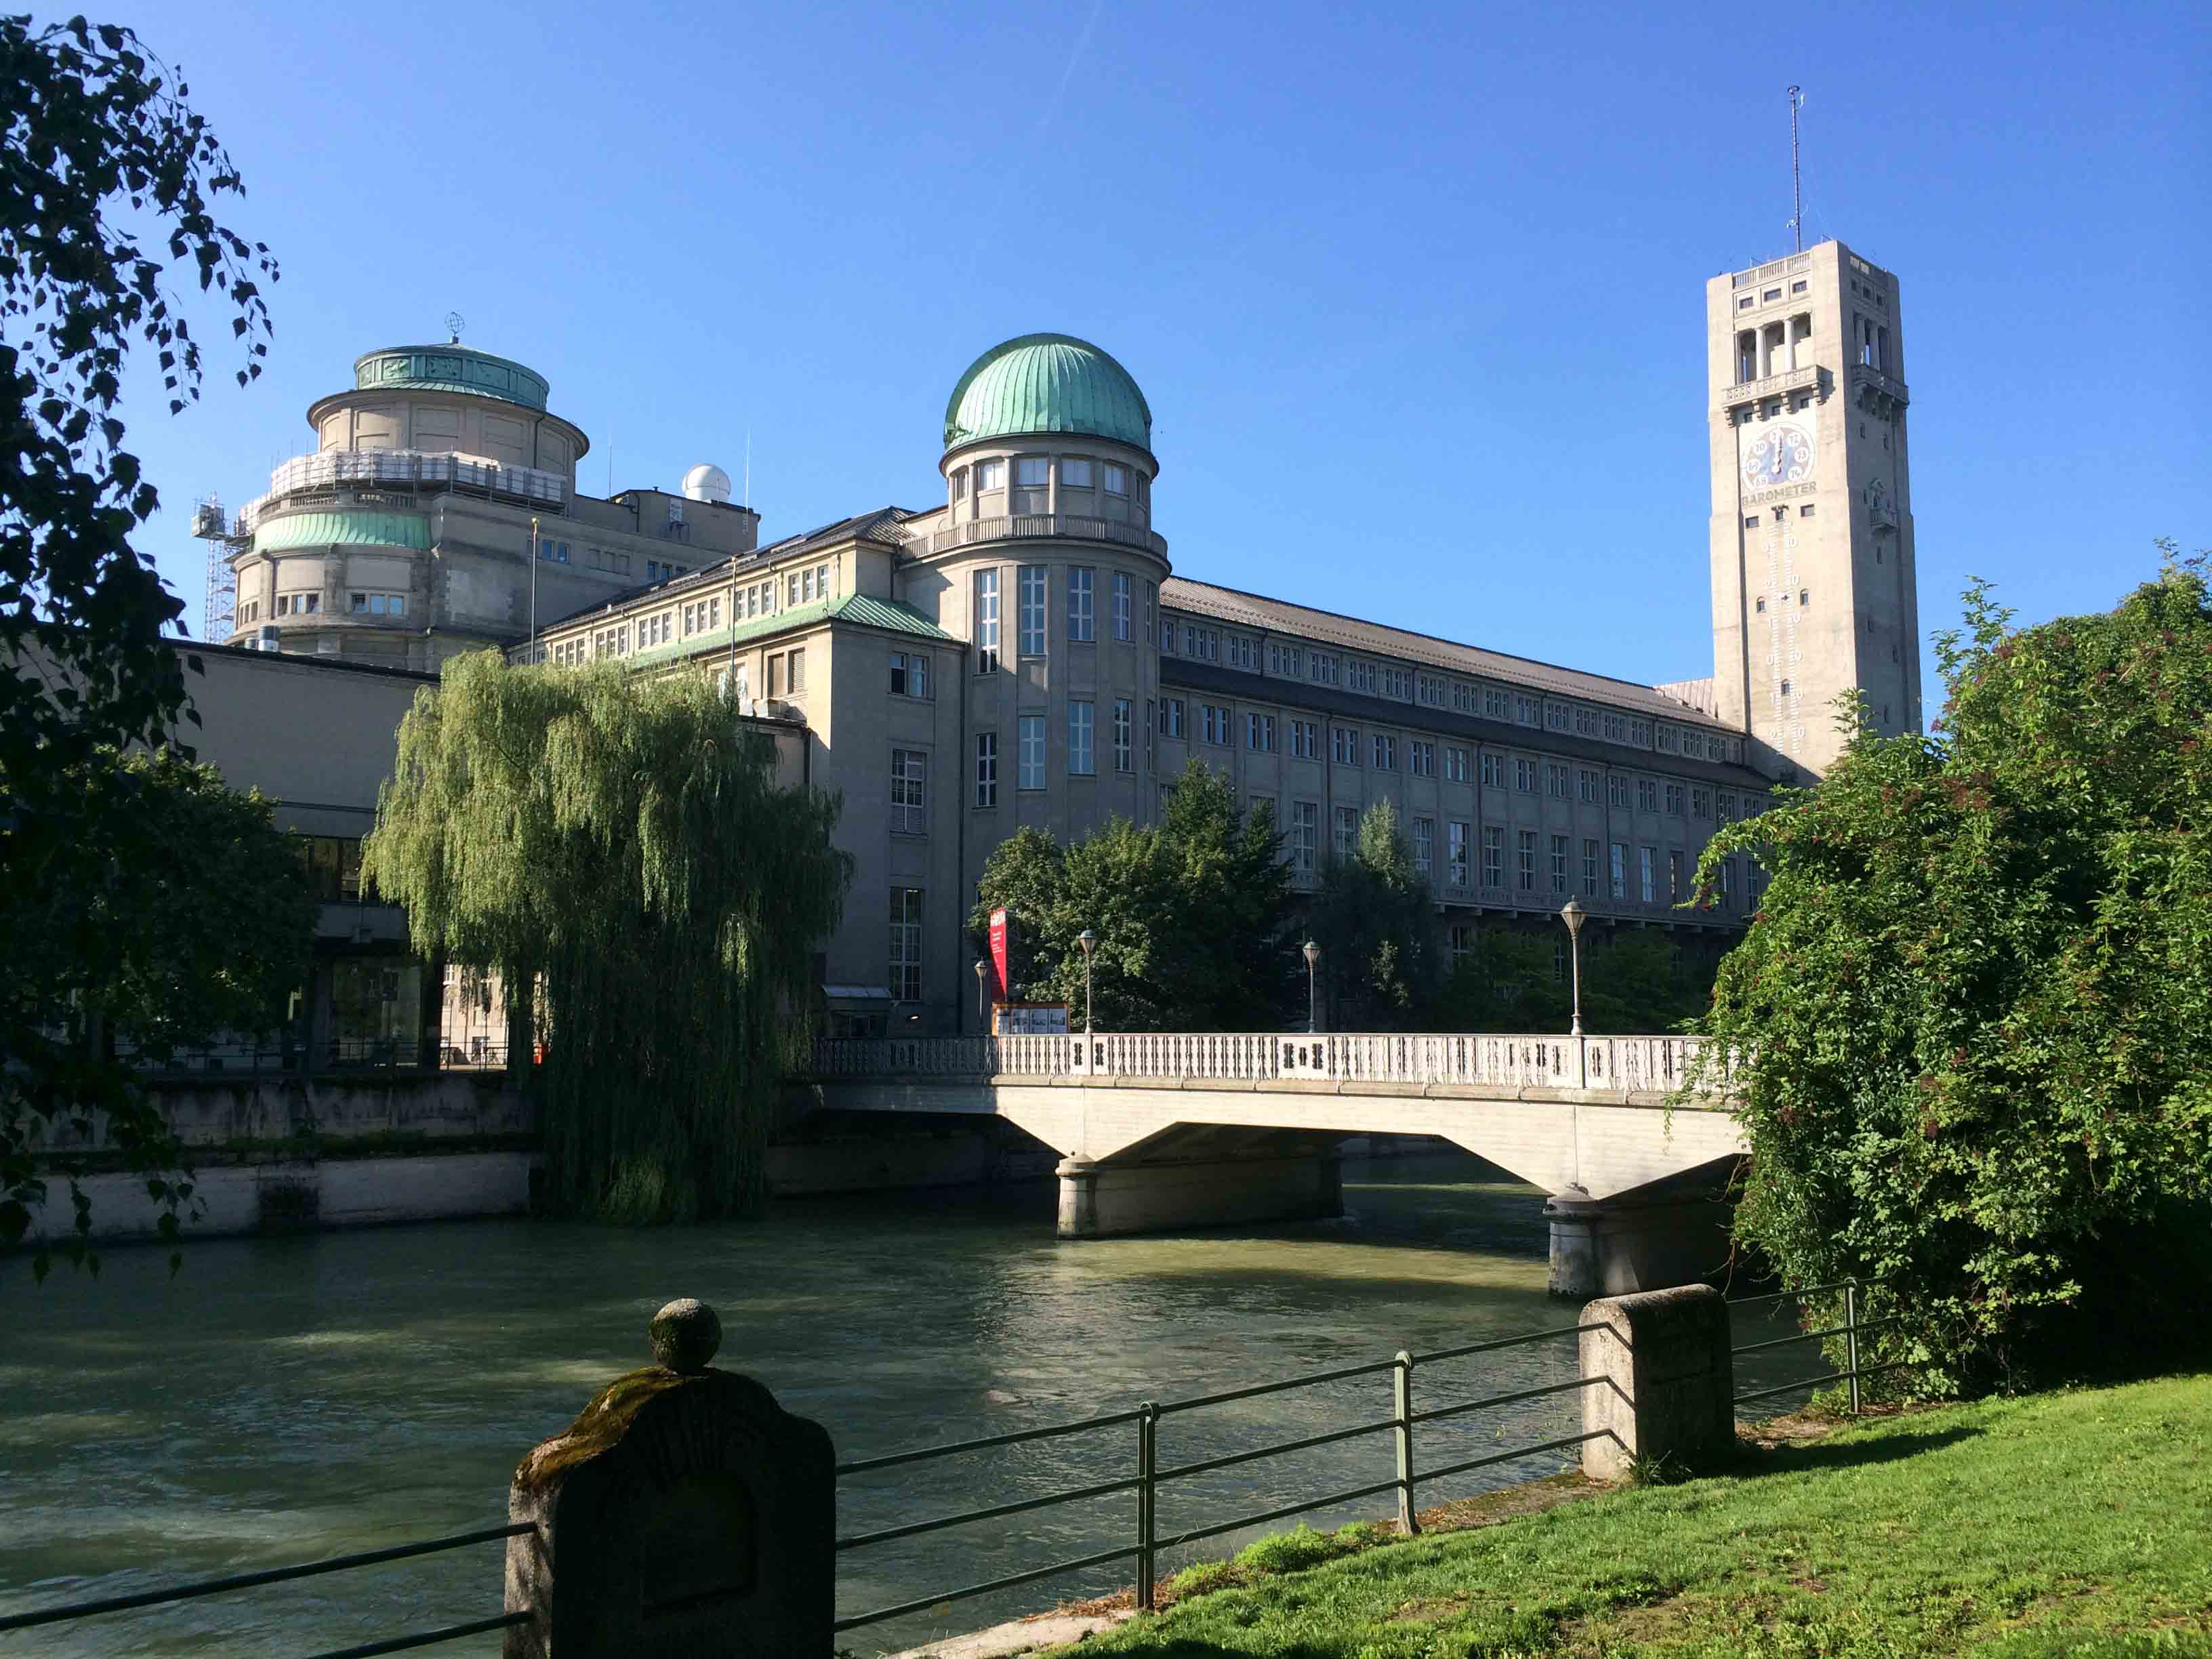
(1626, 1065)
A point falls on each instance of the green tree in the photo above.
(101, 153)
(184, 919)
(1505, 981)
(1974, 1017)
(1193, 916)
(622, 846)
(1633, 984)
(1376, 924)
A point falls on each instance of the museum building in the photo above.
(1020, 653)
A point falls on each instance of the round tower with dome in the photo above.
(439, 512)
(1045, 560)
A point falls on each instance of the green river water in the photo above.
(288, 1398)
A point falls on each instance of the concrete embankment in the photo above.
(279, 1154)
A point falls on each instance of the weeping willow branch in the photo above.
(623, 845)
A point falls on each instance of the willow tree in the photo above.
(622, 846)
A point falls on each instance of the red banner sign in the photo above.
(1004, 992)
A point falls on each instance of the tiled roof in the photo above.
(1229, 604)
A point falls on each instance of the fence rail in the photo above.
(1627, 1065)
(1851, 1290)
(1147, 1541)
(74, 1610)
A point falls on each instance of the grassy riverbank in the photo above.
(2077, 1523)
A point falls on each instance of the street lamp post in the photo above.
(983, 1016)
(1313, 995)
(1086, 938)
(1572, 913)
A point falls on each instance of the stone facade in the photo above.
(408, 533)
(1814, 591)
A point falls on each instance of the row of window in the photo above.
(910, 767)
(1539, 863)
(1205, 642)
(1035, 472)
(1769, 296)
(1080, 620)
(308, 604)
(786, 675)
(1382, 748)
(909, 774)
(551, 552)
(701, 616)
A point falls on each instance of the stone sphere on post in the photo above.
(686, 1334)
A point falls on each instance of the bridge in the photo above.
(1161, 1132)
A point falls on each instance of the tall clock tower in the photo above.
(1812, 528)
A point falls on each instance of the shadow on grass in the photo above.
(1854, 1454)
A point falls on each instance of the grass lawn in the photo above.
(2064, 1524)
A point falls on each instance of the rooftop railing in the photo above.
(401, 468)
(1022, 524)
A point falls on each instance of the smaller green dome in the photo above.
(450, 367)
(1047, 383)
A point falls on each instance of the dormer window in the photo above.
(1074, 473)
(1117, 479)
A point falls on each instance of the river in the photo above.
(283, 1399)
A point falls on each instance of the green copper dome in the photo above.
(449, 367)
(1047, 383)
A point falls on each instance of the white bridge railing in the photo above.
(1637, 1065)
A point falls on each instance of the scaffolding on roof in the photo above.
(219, 614)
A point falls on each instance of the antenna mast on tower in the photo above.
(1796, 179)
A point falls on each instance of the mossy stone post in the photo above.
(1664, 1392)
(683, 1512)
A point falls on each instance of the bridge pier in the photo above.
(1114, 1200)
(1619, 1246)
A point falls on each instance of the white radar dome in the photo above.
(707, 482)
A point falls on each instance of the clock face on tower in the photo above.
(1781, 454)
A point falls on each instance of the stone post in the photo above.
(1666, 1384)
(684, 1512)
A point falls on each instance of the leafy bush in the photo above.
(1973, 1015)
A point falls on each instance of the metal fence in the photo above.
(1634, 1064)
(306, 1570)
(1147, 1478)
(1853, 1292)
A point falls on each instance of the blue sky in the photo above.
(1415, 293)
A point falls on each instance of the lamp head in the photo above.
(1086, 938)
(1312, 953)
(1572, 913)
